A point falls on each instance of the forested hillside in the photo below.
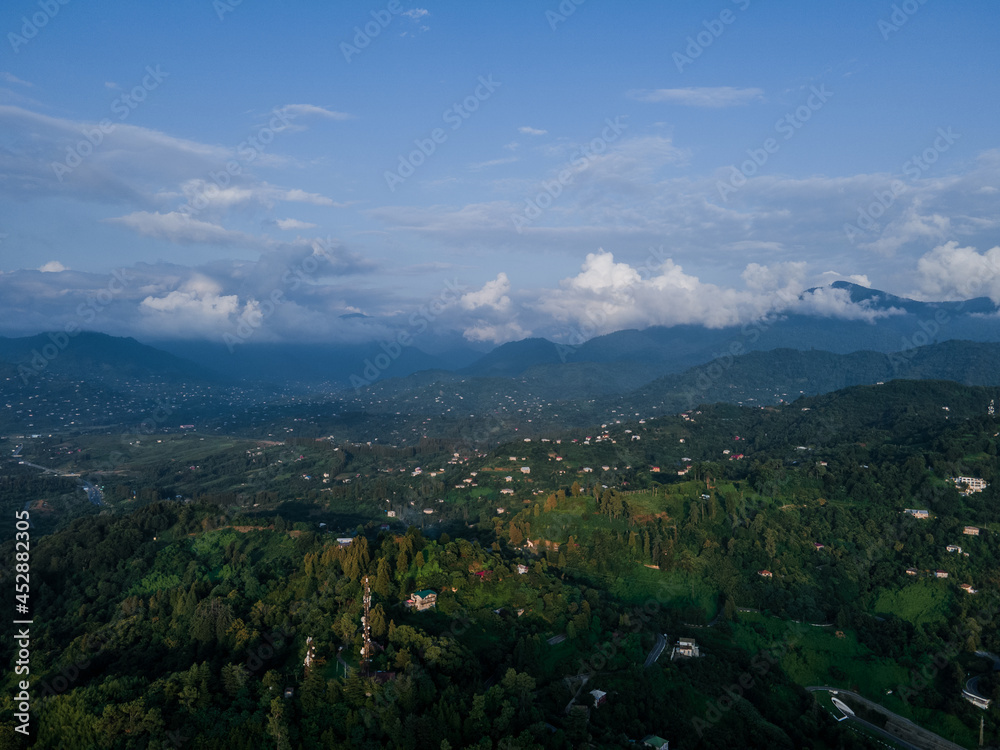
(180, 613)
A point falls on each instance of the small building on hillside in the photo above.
(976, 699)
(686, 648)
(421, 600)
(765, 574)
(967, 588)
(971, 531)
(911, 571)
(917, 513)
(940, 574)
(658, 743)
(953, 548)
(600, 697)
(971, 484)
(310, 654)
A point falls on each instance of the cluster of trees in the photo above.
(167, 627)
(155, 631)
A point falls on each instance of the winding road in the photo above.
(93, 493)
(654, 654)
(916, 737)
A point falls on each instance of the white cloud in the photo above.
(492, 295)
(719, 96)
(627, 166)
(952, 272)
(184, 229)
(131, 164)
(147, 170)
(205, 199)
(204, 195)
(828, 277)
(197, 307)
(607, 296)
(634, 196)
(11, 78)
(493, 163)
(294, 224)
(490, 315)
(826, 302)
(498, 333)
(301, 196)
(165, 300)
(416, 14)
(526, 130)
(759, 278)
(301, 110)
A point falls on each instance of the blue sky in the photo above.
(586, 166)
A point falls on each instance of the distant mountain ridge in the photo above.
(884, 301)
(613, 363)
(126, 377)
(663, 350)
(760, 378)
(97, 356)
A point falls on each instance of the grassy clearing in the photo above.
(921, 602)
(817, 656)
(186, 448)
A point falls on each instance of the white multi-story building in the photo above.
(972, 484)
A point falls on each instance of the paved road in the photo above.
(920, 738)
(36, 466)
(972, 685)
(994, 657)
(93, 493)
(654, 654)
